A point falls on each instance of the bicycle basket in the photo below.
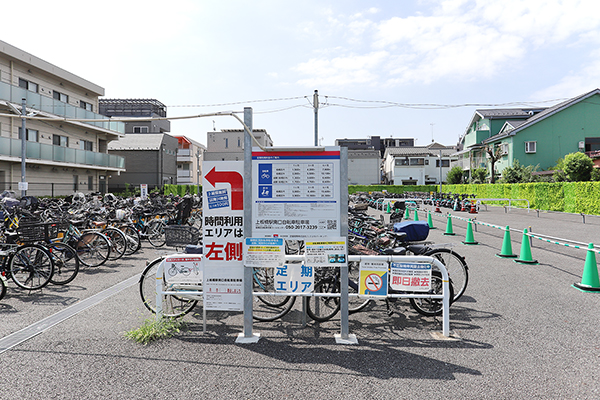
(33, 232)
(181, 236)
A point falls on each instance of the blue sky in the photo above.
(389, 68)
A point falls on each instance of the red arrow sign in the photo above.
(235, 179)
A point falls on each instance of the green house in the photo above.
(533, 136)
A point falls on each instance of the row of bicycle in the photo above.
(34, 254)
(324, 303)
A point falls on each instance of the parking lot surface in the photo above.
(523, 332)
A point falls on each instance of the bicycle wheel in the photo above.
(31, 267)
(355, 304)
(268, 307)
(432, 307)
(118, 243)
(134, 242)
(93, 249)
(2, 287)
(66, 263)
(173, 306)
(323, 308)
(156, 233)
(457, 268)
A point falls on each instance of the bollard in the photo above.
(525, 257)
(506, 246)
(589, 279)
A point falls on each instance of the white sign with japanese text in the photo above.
(413, 277)
(294, 278)
(296, 194)
(183, 269)
(223, 234)
(325, 253)
(264, 252)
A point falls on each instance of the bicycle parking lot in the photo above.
(524, 332)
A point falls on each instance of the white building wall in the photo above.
(363, 171)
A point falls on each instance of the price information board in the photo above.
(296, 194)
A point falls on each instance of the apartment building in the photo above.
(63, 155)
(228, 144)
(190, 155)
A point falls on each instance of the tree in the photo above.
(494, 153)
(478, 175)
(578, 167)
(455, 175)
(518, 173)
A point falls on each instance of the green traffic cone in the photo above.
(416, 216)
(406, 214)
(449, 231)
(589, 280)
(525, 257)
(506, 246)
(469, 239)
(389, 208)
(429, 220)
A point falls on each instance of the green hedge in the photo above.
(181, 190)
(572, 197)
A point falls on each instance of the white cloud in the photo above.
(340, 71)
(457, 39)
(574, 83)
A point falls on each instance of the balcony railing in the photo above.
(48, 152)
(15, 94)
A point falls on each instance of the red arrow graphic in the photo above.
(235, 179)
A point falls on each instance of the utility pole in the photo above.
(316, 107)
(23, 184)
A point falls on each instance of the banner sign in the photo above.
(223, 234)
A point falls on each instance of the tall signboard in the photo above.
(296, 194)
(223, 234)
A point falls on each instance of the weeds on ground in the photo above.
(152, 330)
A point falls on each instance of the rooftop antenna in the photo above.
(432, 124)
(214, 127)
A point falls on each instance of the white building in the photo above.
(190, 155)
(228, 144)
(419, 165)
(364, 167)
(62, 156)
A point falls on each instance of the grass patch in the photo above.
(152, 330)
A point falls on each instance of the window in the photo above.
(239, 142)
(417, 161)
(504, 149)
(445, 163)
(140, 129)
(86, 145)
(86, 106)
(401, 161)
(530, 147)
(32, 87)
(226, 143)
(60, 96)
(75, 183)
(32, 135)
(59, 140)
(90, 183)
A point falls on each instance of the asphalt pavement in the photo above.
(522, 332)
